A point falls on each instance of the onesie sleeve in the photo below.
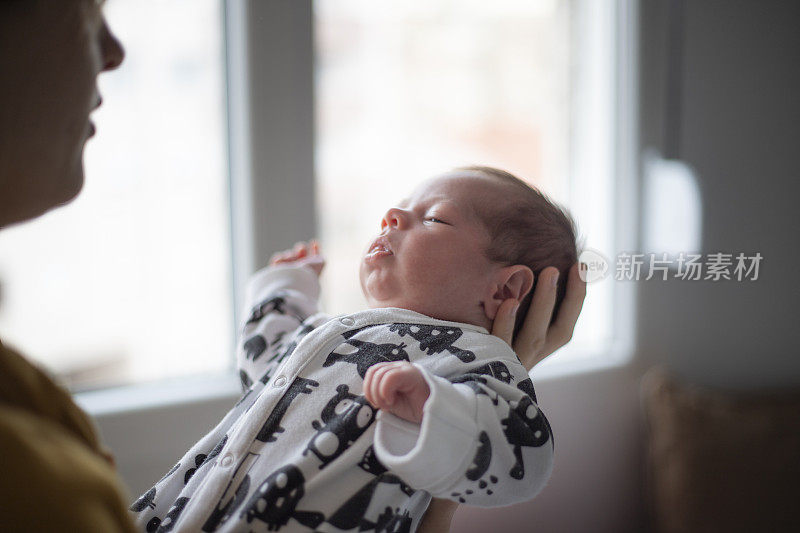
(482, 440)
(278, 301)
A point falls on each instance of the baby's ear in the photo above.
(513, 281)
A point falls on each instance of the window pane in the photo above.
(131, 281)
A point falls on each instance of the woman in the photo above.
(56, 475)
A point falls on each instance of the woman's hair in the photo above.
(530, 230)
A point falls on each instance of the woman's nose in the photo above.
(394, 218)
(112, 50)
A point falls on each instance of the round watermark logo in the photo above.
(596, 266)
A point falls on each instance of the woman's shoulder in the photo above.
(59, 478)
(26, 387)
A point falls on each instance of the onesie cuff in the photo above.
(434, 454)
(275, 278)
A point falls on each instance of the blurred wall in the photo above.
(739, 127)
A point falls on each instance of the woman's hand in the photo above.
(536, 340)
(305, 254)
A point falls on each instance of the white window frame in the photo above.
(271, 153)
(615, 23)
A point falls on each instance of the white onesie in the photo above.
(303, 449)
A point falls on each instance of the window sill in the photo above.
(584, 361)
(226, 386)
(160, 394)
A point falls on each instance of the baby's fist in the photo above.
(398, 387)
(303, 254)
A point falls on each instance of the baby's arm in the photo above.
(278, 300)
(480, 439)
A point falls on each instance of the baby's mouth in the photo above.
(379, 248)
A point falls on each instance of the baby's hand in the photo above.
(302, 254)
(398, 388)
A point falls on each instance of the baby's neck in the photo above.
(453, 315)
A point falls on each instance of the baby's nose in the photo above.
(393, 219)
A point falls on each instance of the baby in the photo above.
(354, 422)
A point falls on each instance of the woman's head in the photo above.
(51, 52)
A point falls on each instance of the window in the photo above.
(131, 282)
(406, 90)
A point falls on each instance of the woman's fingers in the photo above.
(560, 332)
(533, 335)
(503, 325)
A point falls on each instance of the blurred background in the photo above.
(237, 128)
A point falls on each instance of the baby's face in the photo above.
(430, 255)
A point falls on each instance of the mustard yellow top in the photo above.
(54, 473)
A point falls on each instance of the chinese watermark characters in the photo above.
(685, 266)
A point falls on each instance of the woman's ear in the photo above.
(513, 281)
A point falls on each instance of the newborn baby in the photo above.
(456, 411)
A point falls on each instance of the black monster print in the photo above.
(472, 381)
(198, 460)
(525, 426)
(482, 484)
(302, 332)
(145, 500)
(267, 375)
(495, 369)
(272, 425)
(526, 386)
(368, 354)
(254, 347)
(391, 522)
(370, 463)
(245, 380)
(235, 493)
(353, 332)
(274, 502)
(217, 449)
(174, 512)
(287, 352)
(171, 471)
(344, 419)
(483, 456)
(351, 513)
(434, 339)
(246, 394)
(201, 459)
(274, 304)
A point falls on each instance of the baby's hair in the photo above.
(529, 230)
